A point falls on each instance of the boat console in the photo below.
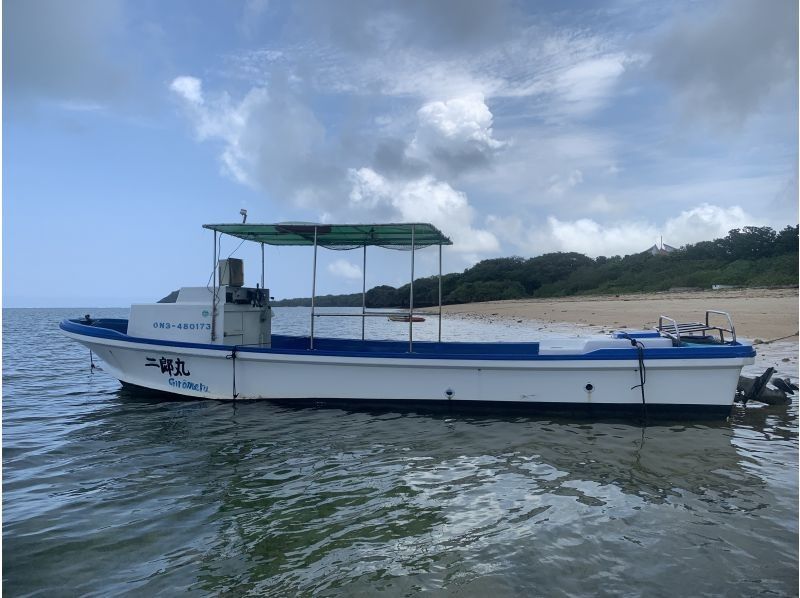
(228, 314)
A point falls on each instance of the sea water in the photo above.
(107, 491)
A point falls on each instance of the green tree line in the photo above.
(750, 256)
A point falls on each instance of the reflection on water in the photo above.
(108, 491)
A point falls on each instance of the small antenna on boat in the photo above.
(243, 213)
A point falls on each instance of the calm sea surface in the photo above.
(110, 492)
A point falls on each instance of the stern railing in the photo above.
(688, 330)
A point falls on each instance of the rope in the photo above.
(233, 357)
(642, 371)
(219, 252)
(780, 339)
(214, 293)
(237, 248)
(210, 276)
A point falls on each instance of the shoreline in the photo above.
(763, 314)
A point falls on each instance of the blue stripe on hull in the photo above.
(115, 329)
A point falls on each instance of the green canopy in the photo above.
(337, 236)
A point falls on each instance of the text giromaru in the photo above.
(188, 385)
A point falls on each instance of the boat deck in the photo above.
(598, 347)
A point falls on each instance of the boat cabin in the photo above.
(228, 313)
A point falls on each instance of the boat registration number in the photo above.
(182, 325)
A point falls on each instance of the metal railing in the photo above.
(367, 314)
(678, 330)
(731, 330)
(364, 313)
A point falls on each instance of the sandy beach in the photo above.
(764, 314)
(768, 317)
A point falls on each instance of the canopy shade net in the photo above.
(337, 236)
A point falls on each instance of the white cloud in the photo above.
(591, 238)
(543, 168)
(560, 184)
(417, 74)
(430, 148)
(706, 222)
(460, 121)
(423, 199)
(189, 88)
(569, 71)
(221, 119)
(277, 145)
(370, 189)
(584, 235)
(268, 139)
(584, 87)
(455, 134)
(344, 269)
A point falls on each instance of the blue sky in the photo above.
(518, 128)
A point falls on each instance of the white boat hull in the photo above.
(217, 373)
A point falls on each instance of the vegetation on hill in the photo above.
(751, 256)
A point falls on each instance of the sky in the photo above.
(517, 128)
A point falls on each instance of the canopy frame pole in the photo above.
(440, 292)
(411, 297)
(262, 267)
(313, 288)
(364, 292)
(214, 293)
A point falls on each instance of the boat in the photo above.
(216, 342)
(406, 318)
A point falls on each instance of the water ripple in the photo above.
(111, 492)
